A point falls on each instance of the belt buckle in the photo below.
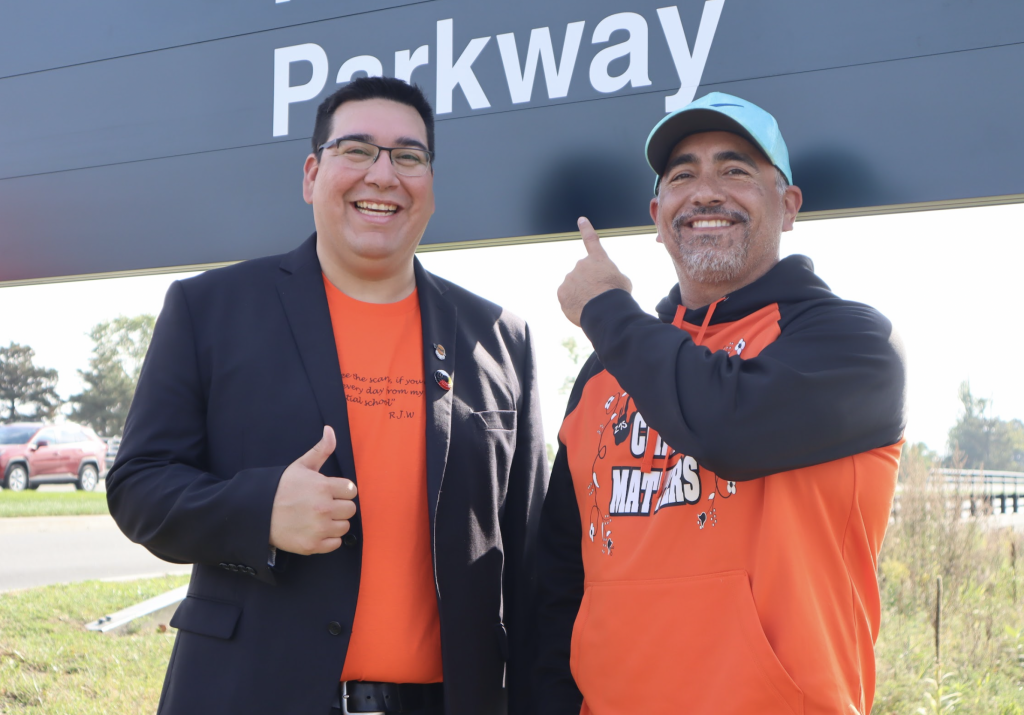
(344, 703)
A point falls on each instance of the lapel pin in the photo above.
(444, 380)
(439, 351)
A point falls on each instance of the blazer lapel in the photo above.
(305, 304)
(439, 317)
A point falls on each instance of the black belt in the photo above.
(365, 697)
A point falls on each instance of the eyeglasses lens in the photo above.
(406, 160)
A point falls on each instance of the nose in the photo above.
(381, 173)
(707, 190)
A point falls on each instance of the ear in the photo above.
(654, 216)
(792, 200)
(309, 172)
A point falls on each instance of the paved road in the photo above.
(40, 550)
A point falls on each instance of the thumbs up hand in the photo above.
(311, 512)
(592, 276)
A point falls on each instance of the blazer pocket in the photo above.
(496, 419)
(216, 619)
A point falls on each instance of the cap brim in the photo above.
(677, 127)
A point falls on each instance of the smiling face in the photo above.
(720, 211)
(370, 220)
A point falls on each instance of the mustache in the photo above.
(682, 219)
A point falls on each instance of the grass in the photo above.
(34, 503)
(49, 663)
(980, 663)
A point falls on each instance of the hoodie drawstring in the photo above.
(707, 321)
(647, 464)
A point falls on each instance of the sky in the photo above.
(950, 281)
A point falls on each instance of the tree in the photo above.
(573, 350)
(574, 357)
(23, 385)
(120, 346)
(986, 442)
(915, 455)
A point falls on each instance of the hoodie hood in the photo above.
(791, 280)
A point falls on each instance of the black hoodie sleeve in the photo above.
(830, 386)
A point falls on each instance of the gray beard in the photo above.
(704, 261)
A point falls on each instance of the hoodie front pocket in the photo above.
(691, 644)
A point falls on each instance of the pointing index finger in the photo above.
(591, 241)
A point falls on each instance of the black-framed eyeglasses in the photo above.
(408, 161)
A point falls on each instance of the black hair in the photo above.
(365, 88)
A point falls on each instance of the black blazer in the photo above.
(240, 379)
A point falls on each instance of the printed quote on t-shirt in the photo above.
(395, 397)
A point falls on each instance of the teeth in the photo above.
(376, 207)
(716, 223)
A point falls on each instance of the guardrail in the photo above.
(983, 492)
(996, 492)
(156, 611)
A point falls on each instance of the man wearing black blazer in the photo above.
(237, 455)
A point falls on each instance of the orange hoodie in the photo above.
(717, 505)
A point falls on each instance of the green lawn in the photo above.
(51, 665)
(34, 503)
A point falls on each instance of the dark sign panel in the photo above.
(136, 136)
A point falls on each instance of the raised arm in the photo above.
(831, 385)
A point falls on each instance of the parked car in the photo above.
(113, 444)
(34, 453)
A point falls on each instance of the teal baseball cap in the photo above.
(718, 112)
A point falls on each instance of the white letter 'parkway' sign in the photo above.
(139, 136)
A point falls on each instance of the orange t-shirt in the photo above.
(396, 636)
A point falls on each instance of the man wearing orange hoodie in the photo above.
(725, 473)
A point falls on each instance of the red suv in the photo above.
(33, 453)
